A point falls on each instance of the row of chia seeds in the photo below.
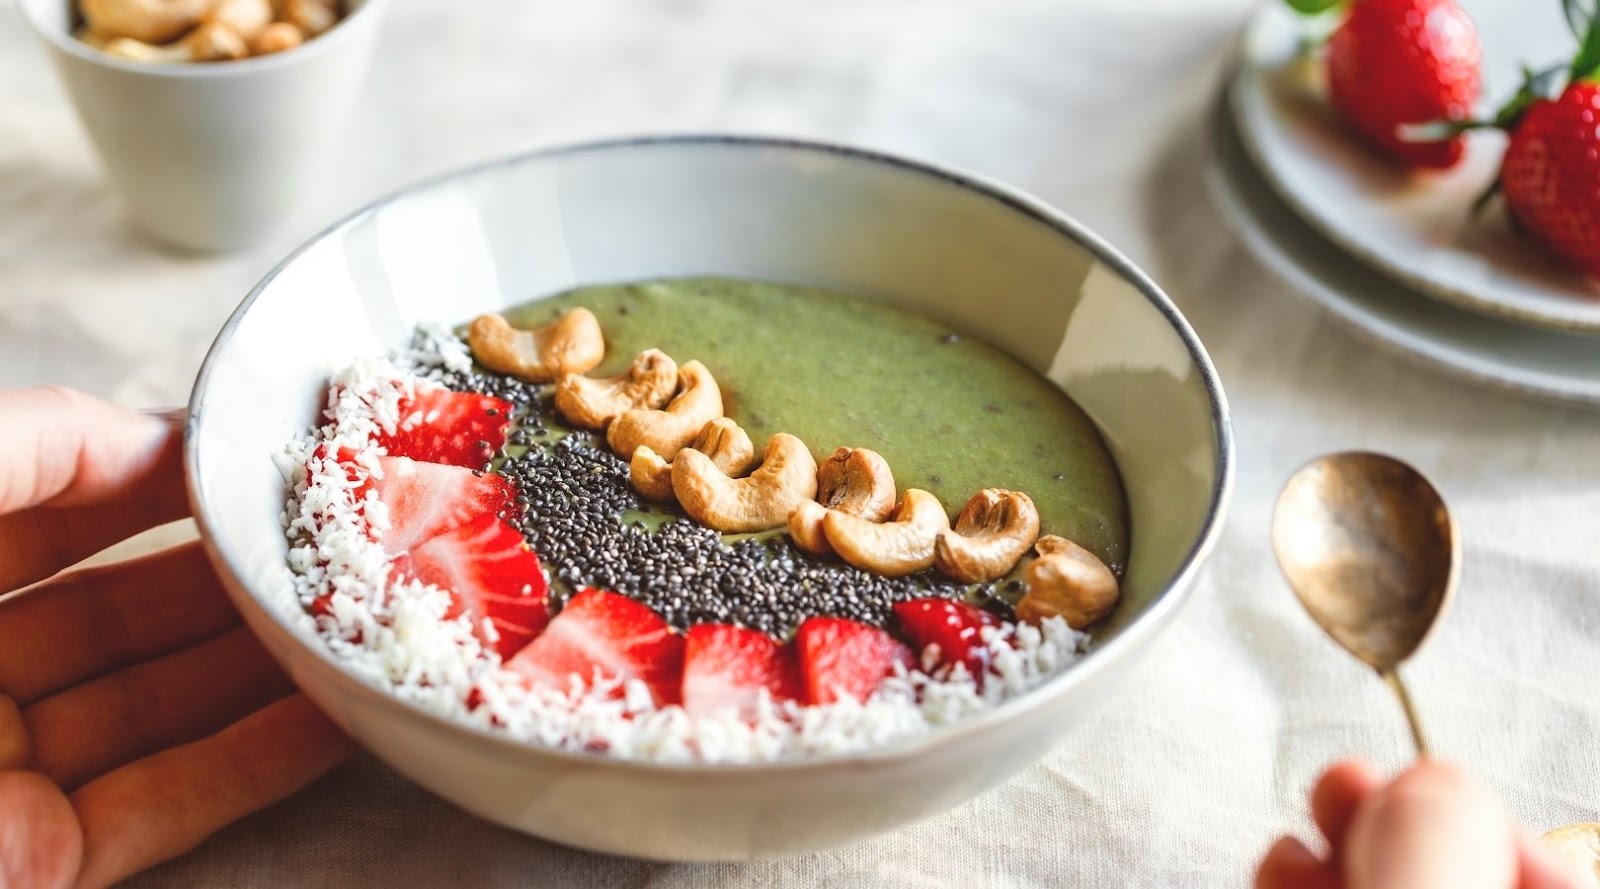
(591, 529)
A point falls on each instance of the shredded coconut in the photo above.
(394, 634)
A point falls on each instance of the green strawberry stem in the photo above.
(1317, 7)
(1587, 63)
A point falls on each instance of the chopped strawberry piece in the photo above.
(428, 499)
(492, 576)
(842, 659)
(607, 634)
(956, 627)
(354, 472)
(728, 667)
(444, 426)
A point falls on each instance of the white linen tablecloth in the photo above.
(1094, 105)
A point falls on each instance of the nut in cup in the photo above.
(212, 155)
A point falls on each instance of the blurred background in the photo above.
(1098, 107)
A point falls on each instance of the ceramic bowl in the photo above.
(977, 256)
(213, 156)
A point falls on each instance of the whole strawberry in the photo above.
(1397, 62)
(1550, 175)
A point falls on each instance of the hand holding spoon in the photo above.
(1369, 549)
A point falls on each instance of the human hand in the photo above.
(1430, 828)
(137, 715)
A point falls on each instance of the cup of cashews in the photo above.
(211, 156)
(203, 30)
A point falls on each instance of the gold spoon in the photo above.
(1369, 549)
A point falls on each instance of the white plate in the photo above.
(1417, 228)
(1553, 364)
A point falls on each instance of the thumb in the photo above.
(1430, 828)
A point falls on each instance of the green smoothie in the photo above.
(950, 413)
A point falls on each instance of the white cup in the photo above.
(213, 155)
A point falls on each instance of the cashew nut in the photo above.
(311, 17)
(993, 531)
(211, 42)
(852, 480)
(668, 431)
(276, 37)
(1067, 581)
(728, 446)
(572, 343)
(247, 18)
(894, 548)
(146, 21)
(760, 501)
(592, 403)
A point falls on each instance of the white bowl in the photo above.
(214, 155)
(980, 257)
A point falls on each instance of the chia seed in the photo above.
(590, 529)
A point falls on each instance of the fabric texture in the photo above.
(1095, 106)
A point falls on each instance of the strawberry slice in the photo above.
(956, 627)
(445, 426)
(428, 499)
(492, 576)
(841, 659)
(725, 666)
(609, 634)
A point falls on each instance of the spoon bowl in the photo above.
(1370, 550)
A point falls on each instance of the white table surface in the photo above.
(1093, 105)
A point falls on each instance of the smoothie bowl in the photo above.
(707, 498)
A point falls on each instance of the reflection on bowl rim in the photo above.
(325, 42)
(1165, 603)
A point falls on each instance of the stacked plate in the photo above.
(1402, 257)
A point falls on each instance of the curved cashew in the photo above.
(592, 403)
(1067, 581)
(311, 17)
(572, 343)
(276, 37)
(993, 531)
(211, 42)
(146, 21)
(247, 18)
(894, 548)
(760, 501)
(852, 480)
(728, 446)
(670, 430)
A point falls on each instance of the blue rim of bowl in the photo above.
(1163, 608)
(321, 44)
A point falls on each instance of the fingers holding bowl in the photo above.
(91, 622)
(81, 474)
(108, 722)
(164, 805)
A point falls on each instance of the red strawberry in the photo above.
(955, 627)
(842, 659)
(1394, 62)
(492, 576)
(610, 634)
(428, 499)
(1551, 174)
(725, 666)
(444, 426)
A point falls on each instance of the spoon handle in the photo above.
(1392, 676)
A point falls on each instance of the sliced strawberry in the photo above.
(428, 499)
(956, 627)
(444, 426)
(609, 634)
(725, 667)
(842, 659)
(492, 576)
(353, 472)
